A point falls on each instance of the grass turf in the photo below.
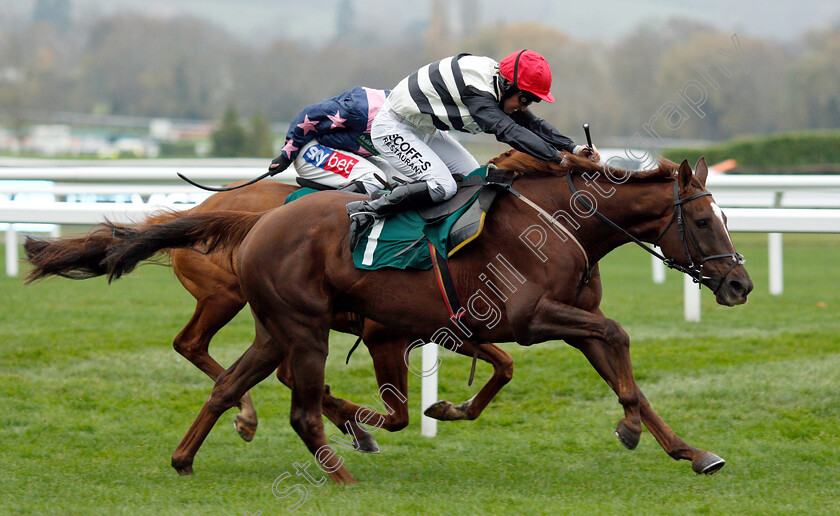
(95, 401)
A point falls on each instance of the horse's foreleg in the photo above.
(702, 461)
(386, 350)
(253, 366)
(552, 320)
(629, 429)
(604, 360)
(502, 364)
(388, 354)
(363, 440)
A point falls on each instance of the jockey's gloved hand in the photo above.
(587, 152)
(279, 164)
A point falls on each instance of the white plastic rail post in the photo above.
(691, 298)
(11, 251)
(429, 386)
(774, 252)
(658, 268)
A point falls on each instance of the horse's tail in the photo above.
(76, 257)
(212, 230)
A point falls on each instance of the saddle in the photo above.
(466, 190)
(473, 199)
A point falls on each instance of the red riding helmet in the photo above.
(528, 71)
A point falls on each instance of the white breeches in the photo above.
(421, 156)
(337, 169)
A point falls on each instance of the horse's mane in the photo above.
(527, 165)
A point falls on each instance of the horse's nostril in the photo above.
(737, 287)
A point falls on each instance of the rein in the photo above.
(692, 270)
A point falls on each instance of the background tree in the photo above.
(260, 140)
(152, 67)
(130, 64)
(815, 80)
(745, 87)
(230, 139)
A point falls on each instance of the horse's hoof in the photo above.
(366, 444)
(342, 476)
(628, 437)
(245, 429)
(438, 410)
(183, 468)
(707, 464)
(182, 464)
(444, 411)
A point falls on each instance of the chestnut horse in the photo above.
(210, 278)
(295, 281)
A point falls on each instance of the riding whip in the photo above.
(225, 188)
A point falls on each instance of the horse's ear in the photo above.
(685, 174)
(701, 171)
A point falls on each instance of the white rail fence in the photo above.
(49, 197)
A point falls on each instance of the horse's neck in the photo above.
(641, 208)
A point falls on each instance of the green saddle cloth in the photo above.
(402, 240)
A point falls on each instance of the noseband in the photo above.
(692, 270)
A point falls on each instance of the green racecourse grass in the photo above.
(95, 400)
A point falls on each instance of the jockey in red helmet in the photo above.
(469, 94)
(527, 71)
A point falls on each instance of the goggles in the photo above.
(526, 99)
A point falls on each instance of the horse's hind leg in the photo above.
(253, 366)
(362, 440)
(502, 364)
(702, 461)
(218, 301)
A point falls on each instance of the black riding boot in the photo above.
(402, 198)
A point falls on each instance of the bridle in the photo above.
(695, 271)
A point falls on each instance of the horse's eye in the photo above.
(702, 223)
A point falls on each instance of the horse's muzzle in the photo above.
(735, 288)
